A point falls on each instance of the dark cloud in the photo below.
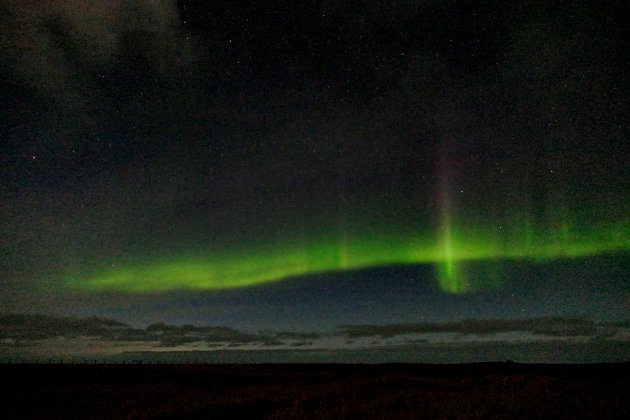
(297, 335)
(34, 337)
(559, 327)
(270, 342)
(37, 327)
(170, 335)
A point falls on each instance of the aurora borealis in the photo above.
(250, 267)
(308, 164)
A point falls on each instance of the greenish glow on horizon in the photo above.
(263, 264)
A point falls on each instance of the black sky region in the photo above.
(133, 130)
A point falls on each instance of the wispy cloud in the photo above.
(56, 46)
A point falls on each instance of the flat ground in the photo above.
(315, 391)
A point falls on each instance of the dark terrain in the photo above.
(322, 391)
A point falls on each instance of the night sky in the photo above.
(307, 164)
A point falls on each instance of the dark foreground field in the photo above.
(496, 390)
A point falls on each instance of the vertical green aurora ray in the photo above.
(447, 268)
(448, 274)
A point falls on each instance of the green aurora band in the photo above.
(450, 250)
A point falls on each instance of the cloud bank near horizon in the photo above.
(38, 337)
